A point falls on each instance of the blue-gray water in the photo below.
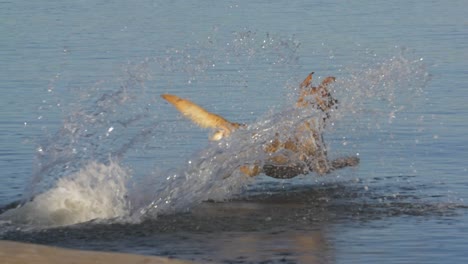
(84, 131)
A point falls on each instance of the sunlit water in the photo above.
(116, 168)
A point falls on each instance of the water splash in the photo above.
(97, 191)
(213, 173)
(387, 87)
(78, 173)
(208, 175)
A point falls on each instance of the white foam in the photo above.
(97, 191)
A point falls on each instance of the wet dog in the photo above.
(300, 151)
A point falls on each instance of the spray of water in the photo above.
(213, 173)
(79, 171)
(97, 191)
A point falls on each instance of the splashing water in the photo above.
(97, 191)
(79, 173)
(214, 174)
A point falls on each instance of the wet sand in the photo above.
(21, 253)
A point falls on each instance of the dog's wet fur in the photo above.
(305, 142)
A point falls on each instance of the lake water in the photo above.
(99, 161)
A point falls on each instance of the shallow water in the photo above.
(86, 137)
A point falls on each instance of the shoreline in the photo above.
(21, 253)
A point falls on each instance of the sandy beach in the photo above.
(21, 253)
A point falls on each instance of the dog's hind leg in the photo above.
(343, 162)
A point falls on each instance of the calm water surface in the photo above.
(111, 167)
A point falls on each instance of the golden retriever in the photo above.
(305, 142)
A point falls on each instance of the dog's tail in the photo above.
(202, 117)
